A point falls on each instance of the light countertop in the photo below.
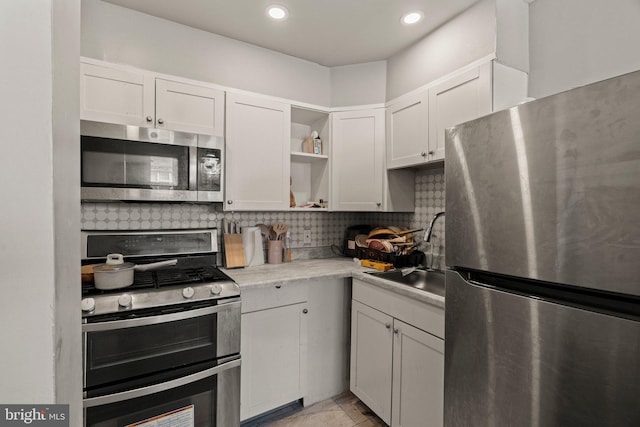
(268, 274)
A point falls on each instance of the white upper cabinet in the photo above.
(359, 178)
(408, 130)
(358, 160)
(461, 98)
(257, 153)
(189, 108)
(416, 122)
(115, 94)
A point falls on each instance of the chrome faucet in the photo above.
(427, 234)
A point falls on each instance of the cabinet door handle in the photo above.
(149, 119)
(387, 325)
(378, 204)
(423, 154)
(229, 202)
(305, 311)
(160, 121)
(431, 153)
(396, 330)
(278, 286)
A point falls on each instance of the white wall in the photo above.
(466, 38)
(512, 33)
(39, 101)
(66, 203)
(358, 84)
(120, 35)
(576, 42)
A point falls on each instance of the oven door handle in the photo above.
(155, 388)
(163, 318)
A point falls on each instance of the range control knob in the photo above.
(125, 300)
(88, 304)
(216, 289)
(188, 292)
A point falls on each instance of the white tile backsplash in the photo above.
(327, 228)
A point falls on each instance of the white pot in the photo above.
(116, 273)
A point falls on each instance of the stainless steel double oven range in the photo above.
(166, 349)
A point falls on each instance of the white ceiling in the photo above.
(327, 32)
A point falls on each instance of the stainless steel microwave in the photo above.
(121, 162)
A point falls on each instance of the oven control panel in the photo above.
(137, 300)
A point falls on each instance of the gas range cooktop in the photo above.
(192, 269)
(195, 279)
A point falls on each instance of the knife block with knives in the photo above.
(233, 249)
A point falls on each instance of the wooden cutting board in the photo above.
(233, 251)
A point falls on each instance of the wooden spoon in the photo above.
(280, 229)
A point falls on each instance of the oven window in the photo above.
(189, 405)
(127, 353)
(128, 164)
(148, 244)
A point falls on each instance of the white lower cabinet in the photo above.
(294, 344)
(418, 377)
(273, 347)
(272, 363)
(397, 369)
(372, 358)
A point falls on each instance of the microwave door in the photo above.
(129, 170)
(103, 168)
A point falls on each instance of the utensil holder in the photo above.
(274, 251)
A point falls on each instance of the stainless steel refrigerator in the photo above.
(543, 253)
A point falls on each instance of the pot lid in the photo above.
(115, 262)
(113, 267)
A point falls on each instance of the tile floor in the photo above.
(344, 410)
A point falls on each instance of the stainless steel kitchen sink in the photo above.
(426, 280)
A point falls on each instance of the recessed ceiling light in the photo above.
(277, 12)
(412, 17)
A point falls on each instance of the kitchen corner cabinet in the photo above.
(273, 347)
(115, 94)
(397, 356)
(310, 171)
(359, 178)
(358, 160)
(257, 153)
